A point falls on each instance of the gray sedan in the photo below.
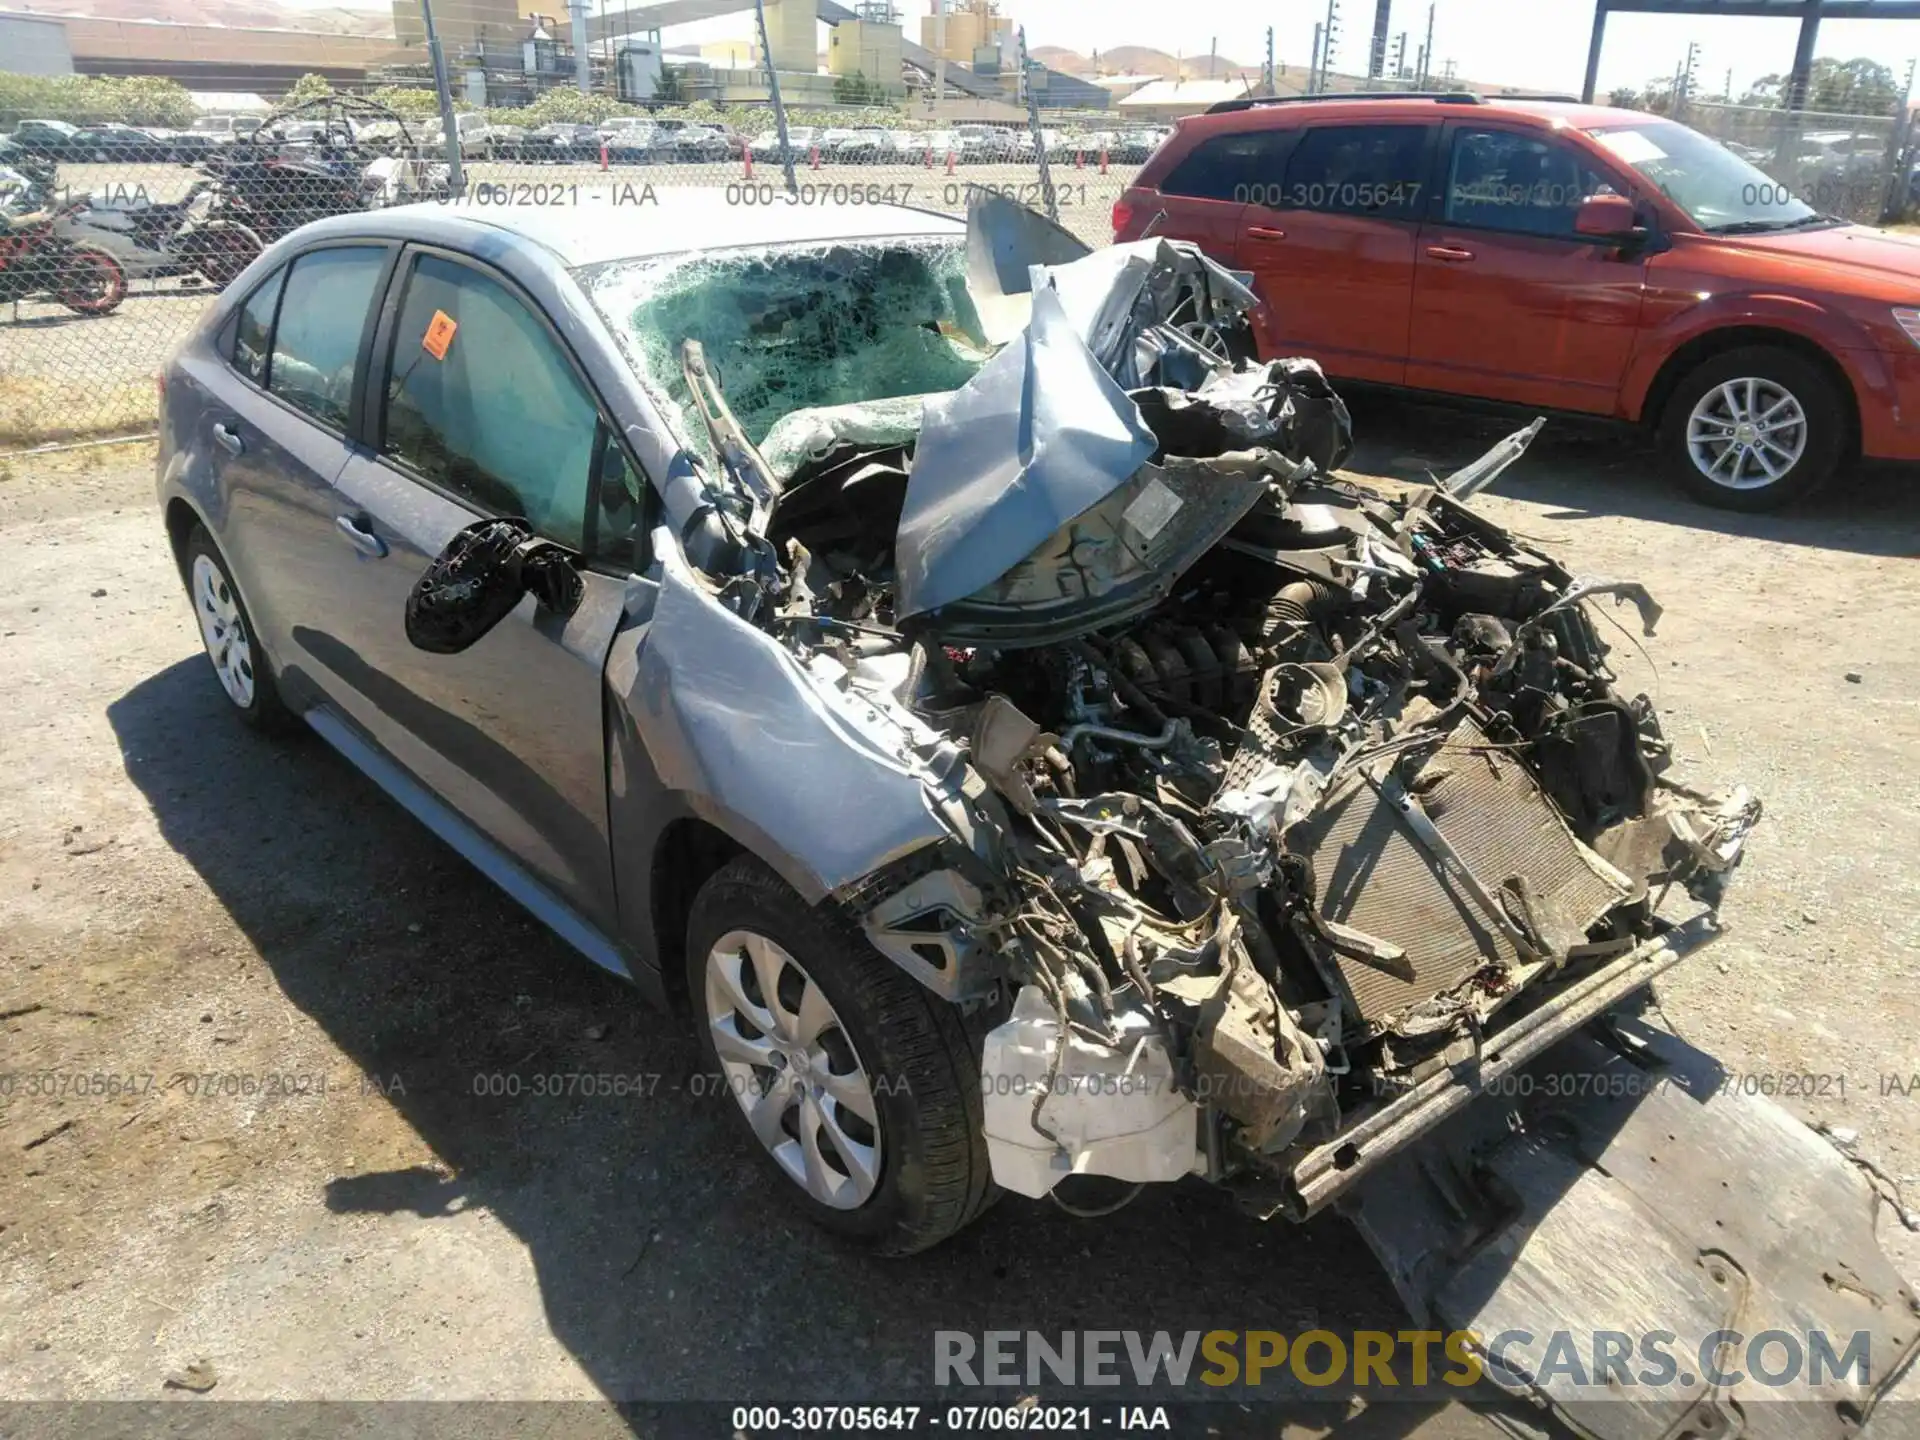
(650, 776)
(946, 665)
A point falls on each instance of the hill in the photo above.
(1145, 60)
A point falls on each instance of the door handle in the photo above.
(229, 439)
(1451, 254)
(361, 538)
(1265, 232)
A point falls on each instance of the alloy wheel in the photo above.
(1746, 434)
(223, 631)
(790, 1065)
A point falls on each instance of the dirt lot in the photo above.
(181, 902)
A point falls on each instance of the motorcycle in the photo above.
(156, 239)
(34, 260)
(270, 196)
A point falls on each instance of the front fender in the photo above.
(1836, 333)
(816, 782)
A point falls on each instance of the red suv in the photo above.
(1562, 256)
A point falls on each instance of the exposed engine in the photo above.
(1281, 793)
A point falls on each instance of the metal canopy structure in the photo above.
(1808, 12)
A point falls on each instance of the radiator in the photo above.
(1371, 872)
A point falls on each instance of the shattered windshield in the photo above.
(796, 328)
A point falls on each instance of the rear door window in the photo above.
(253, 328)
(483, 402)
(1374, 170)
(1506, 180)
(323, 314)
(1243, 168)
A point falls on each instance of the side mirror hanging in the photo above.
(479, 577)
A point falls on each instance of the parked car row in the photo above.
(210, 135)
(110, 141)
(977, 144)
(626, 140)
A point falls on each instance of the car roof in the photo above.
(593, 231)
(1350, 108)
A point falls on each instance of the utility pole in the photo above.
(1420, 69)
(1313, 68)
(1686, 71)
(1400, 57)
(939, 51)
(1039, 137)
(582, 60)
(1272, 88)
(1331, 44)
(1426, 50)
(773, 94)
(449, 131)
(1377, 52)
(1728, 92)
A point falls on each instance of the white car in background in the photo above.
(479, 140)
(225, 129)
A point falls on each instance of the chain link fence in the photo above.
(81, 336)
(120, 237)
(1857, 166)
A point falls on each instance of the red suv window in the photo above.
(1234, 168)
(1504, 180)
(1374, 170)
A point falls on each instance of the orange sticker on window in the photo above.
(439, 334)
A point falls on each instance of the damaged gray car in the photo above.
(948, 666)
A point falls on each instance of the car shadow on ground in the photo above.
(668, 1266)
(1581, 469)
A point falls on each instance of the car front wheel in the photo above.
(859, 1090)
(1754, 429)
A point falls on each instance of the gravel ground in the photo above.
(180, 900)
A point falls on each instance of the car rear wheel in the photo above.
(859, 1089)
(1754, 429)
(226, 630)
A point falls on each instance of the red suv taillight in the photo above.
(1122, 216)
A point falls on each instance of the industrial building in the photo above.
(505, 52)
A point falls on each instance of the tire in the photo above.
(1712, 400)
(217, 609)
(90, 281)
(220, 251)
(928, 1160)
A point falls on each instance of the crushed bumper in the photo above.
(1322, 1175)
(1617, 1195)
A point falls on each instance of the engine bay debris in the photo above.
(1272, 796)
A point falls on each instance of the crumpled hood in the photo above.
(1046, 430)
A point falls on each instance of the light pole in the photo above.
(449, 130)
(773, 93)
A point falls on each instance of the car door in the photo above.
(275, 430)
(1330, 243)
(478, 409)
(1204, 196)
(1509, 303)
